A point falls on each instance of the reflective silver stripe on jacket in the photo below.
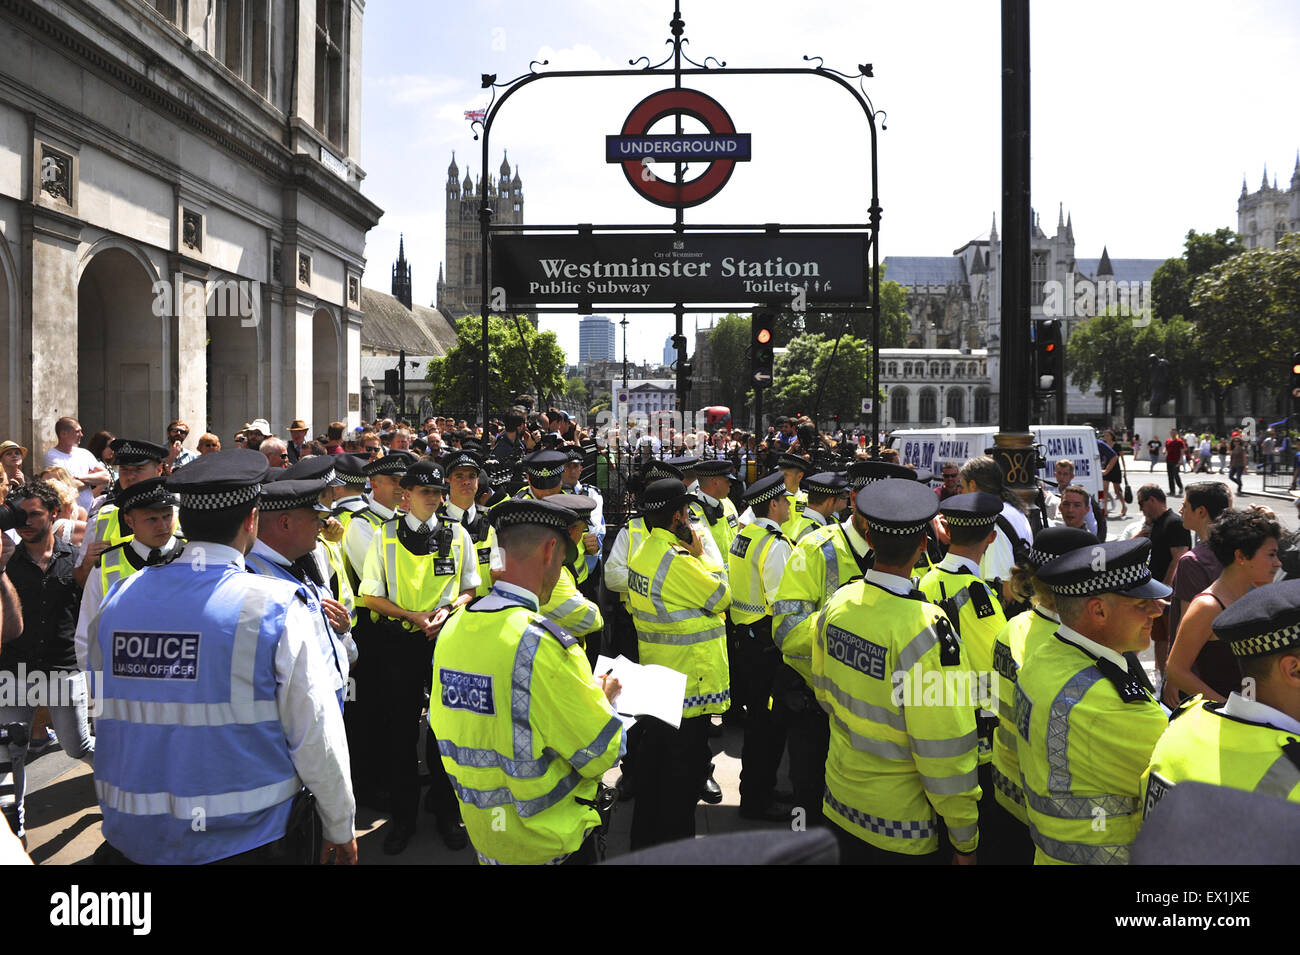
(867, 711)
(183, 807)
(894, 828)
(1281, 778)
(797, 611)
(950, 785)
(1058, 727)
(167, 713)
(1080, 853)
(682, 639)
(942, 748)
(964, 833)
(876, 747)
(1065, 806)
(916, 648)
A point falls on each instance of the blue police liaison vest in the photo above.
(191, 761)
(332, 649)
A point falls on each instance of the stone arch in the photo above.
(899, 412)
(955, 405)
(981, 411)
(234, 356)
(928, 410)
(126, 365)
(327, 373)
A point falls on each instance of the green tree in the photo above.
(454, 377)
(1171, 290)
(1204, 250)
(893, 320)
(800, 371)
(1246, 308)
(1113, 351)
(576, 389)
(729, 343)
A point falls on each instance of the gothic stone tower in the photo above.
(402, 275)
(458, 287)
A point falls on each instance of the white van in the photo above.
(929, 448)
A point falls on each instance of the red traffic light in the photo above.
(1295, 369)
(1050, 347)
(763, 336)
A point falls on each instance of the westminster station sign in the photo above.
(705, 267)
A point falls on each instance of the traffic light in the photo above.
(762, 348)
(391, 384)
(1049, 356)
(1295, 375)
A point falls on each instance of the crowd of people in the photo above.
(259, 632)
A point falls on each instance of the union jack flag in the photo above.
(476, 115)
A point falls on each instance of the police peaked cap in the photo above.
(977, 509)
(318, 467)
(150, 493)
(527, 510)
(684, 463)
(462, 459)
(545, 468)
(897, 506)
(825, 482)
(766, 488)
(658, 470)
(574, 454)
(1111, 567)
(789, 460)
(1264, 621)
(664, 494)
(220, 480)
(864, 473)
(394, 463)
(134, 451)
(718, 467)
(1052, 542)
(281, 495)
(425, 474)
(580, 504)
(351, 469)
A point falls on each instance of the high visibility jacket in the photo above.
(484, 537)
(976, 611)
(117, 563)
(523, 730)
(1022, 634)
(340, 588)
(351, 546)
(745, 564)
(725, 528)
(107, 526)
(1086, 732)
(1202, 745)
(632, 534)
(677, 604)
(568, 608)
(800, 526)
(819, 565)
(798, 501)
(191, 763)
(895, 760)
(418, 582)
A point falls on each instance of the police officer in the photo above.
(795, 468)
(328, 566)
(678, 599)
(136, 461)
(756, 561)
(1086, 722)
(515, 686)
(543, 471)
(1006, 823)
(568, 606)
(828, 493)
(217, 704)
(901, 755)
(419, 568)
(147, 511)
(572, 483)
(463, 478)
(1250, 741)
(349, 497)
(713, 507)
(291, 515)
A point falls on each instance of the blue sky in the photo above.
(1145, 115)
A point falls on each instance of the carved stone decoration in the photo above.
(192, 230)
(304, 268)
(56, 172)
(277, 269)
(354, 292)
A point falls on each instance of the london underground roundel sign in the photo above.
(722, 147)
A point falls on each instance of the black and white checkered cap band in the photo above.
(1265, 643)
(358, 479)
(658, 474)
(1121, 578)
(159, 496)
(660, 505)
(824, 488)
(858, 483)
(545, 518)
(1037, 557)
(218, 500)
(389, 464)
(776, 490)
(289, 503)
(971, 520)
(538, 471)
(137, 451)
(899, 529)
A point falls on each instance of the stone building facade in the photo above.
(459, 286)
(1266, 215)
(182, 220)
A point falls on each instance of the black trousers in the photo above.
(1004, 839)
(668, 780)
(363, 714)
(756, 662)
(406, 668)
(1174, 476)
(853, 851)
(808, 735)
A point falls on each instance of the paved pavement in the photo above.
(63, 815)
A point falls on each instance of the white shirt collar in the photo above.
(856, 540)
(711, 501)
(895, 585)
(1092, 646)
(523, 592)
(767, 522)
(456, 514)
(143, 551)
(1047, 614)
(264, 550)
(959, 565)
(204, 552)
(384, 512)
(1254, 711)
(815, 516)
(414, 522)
